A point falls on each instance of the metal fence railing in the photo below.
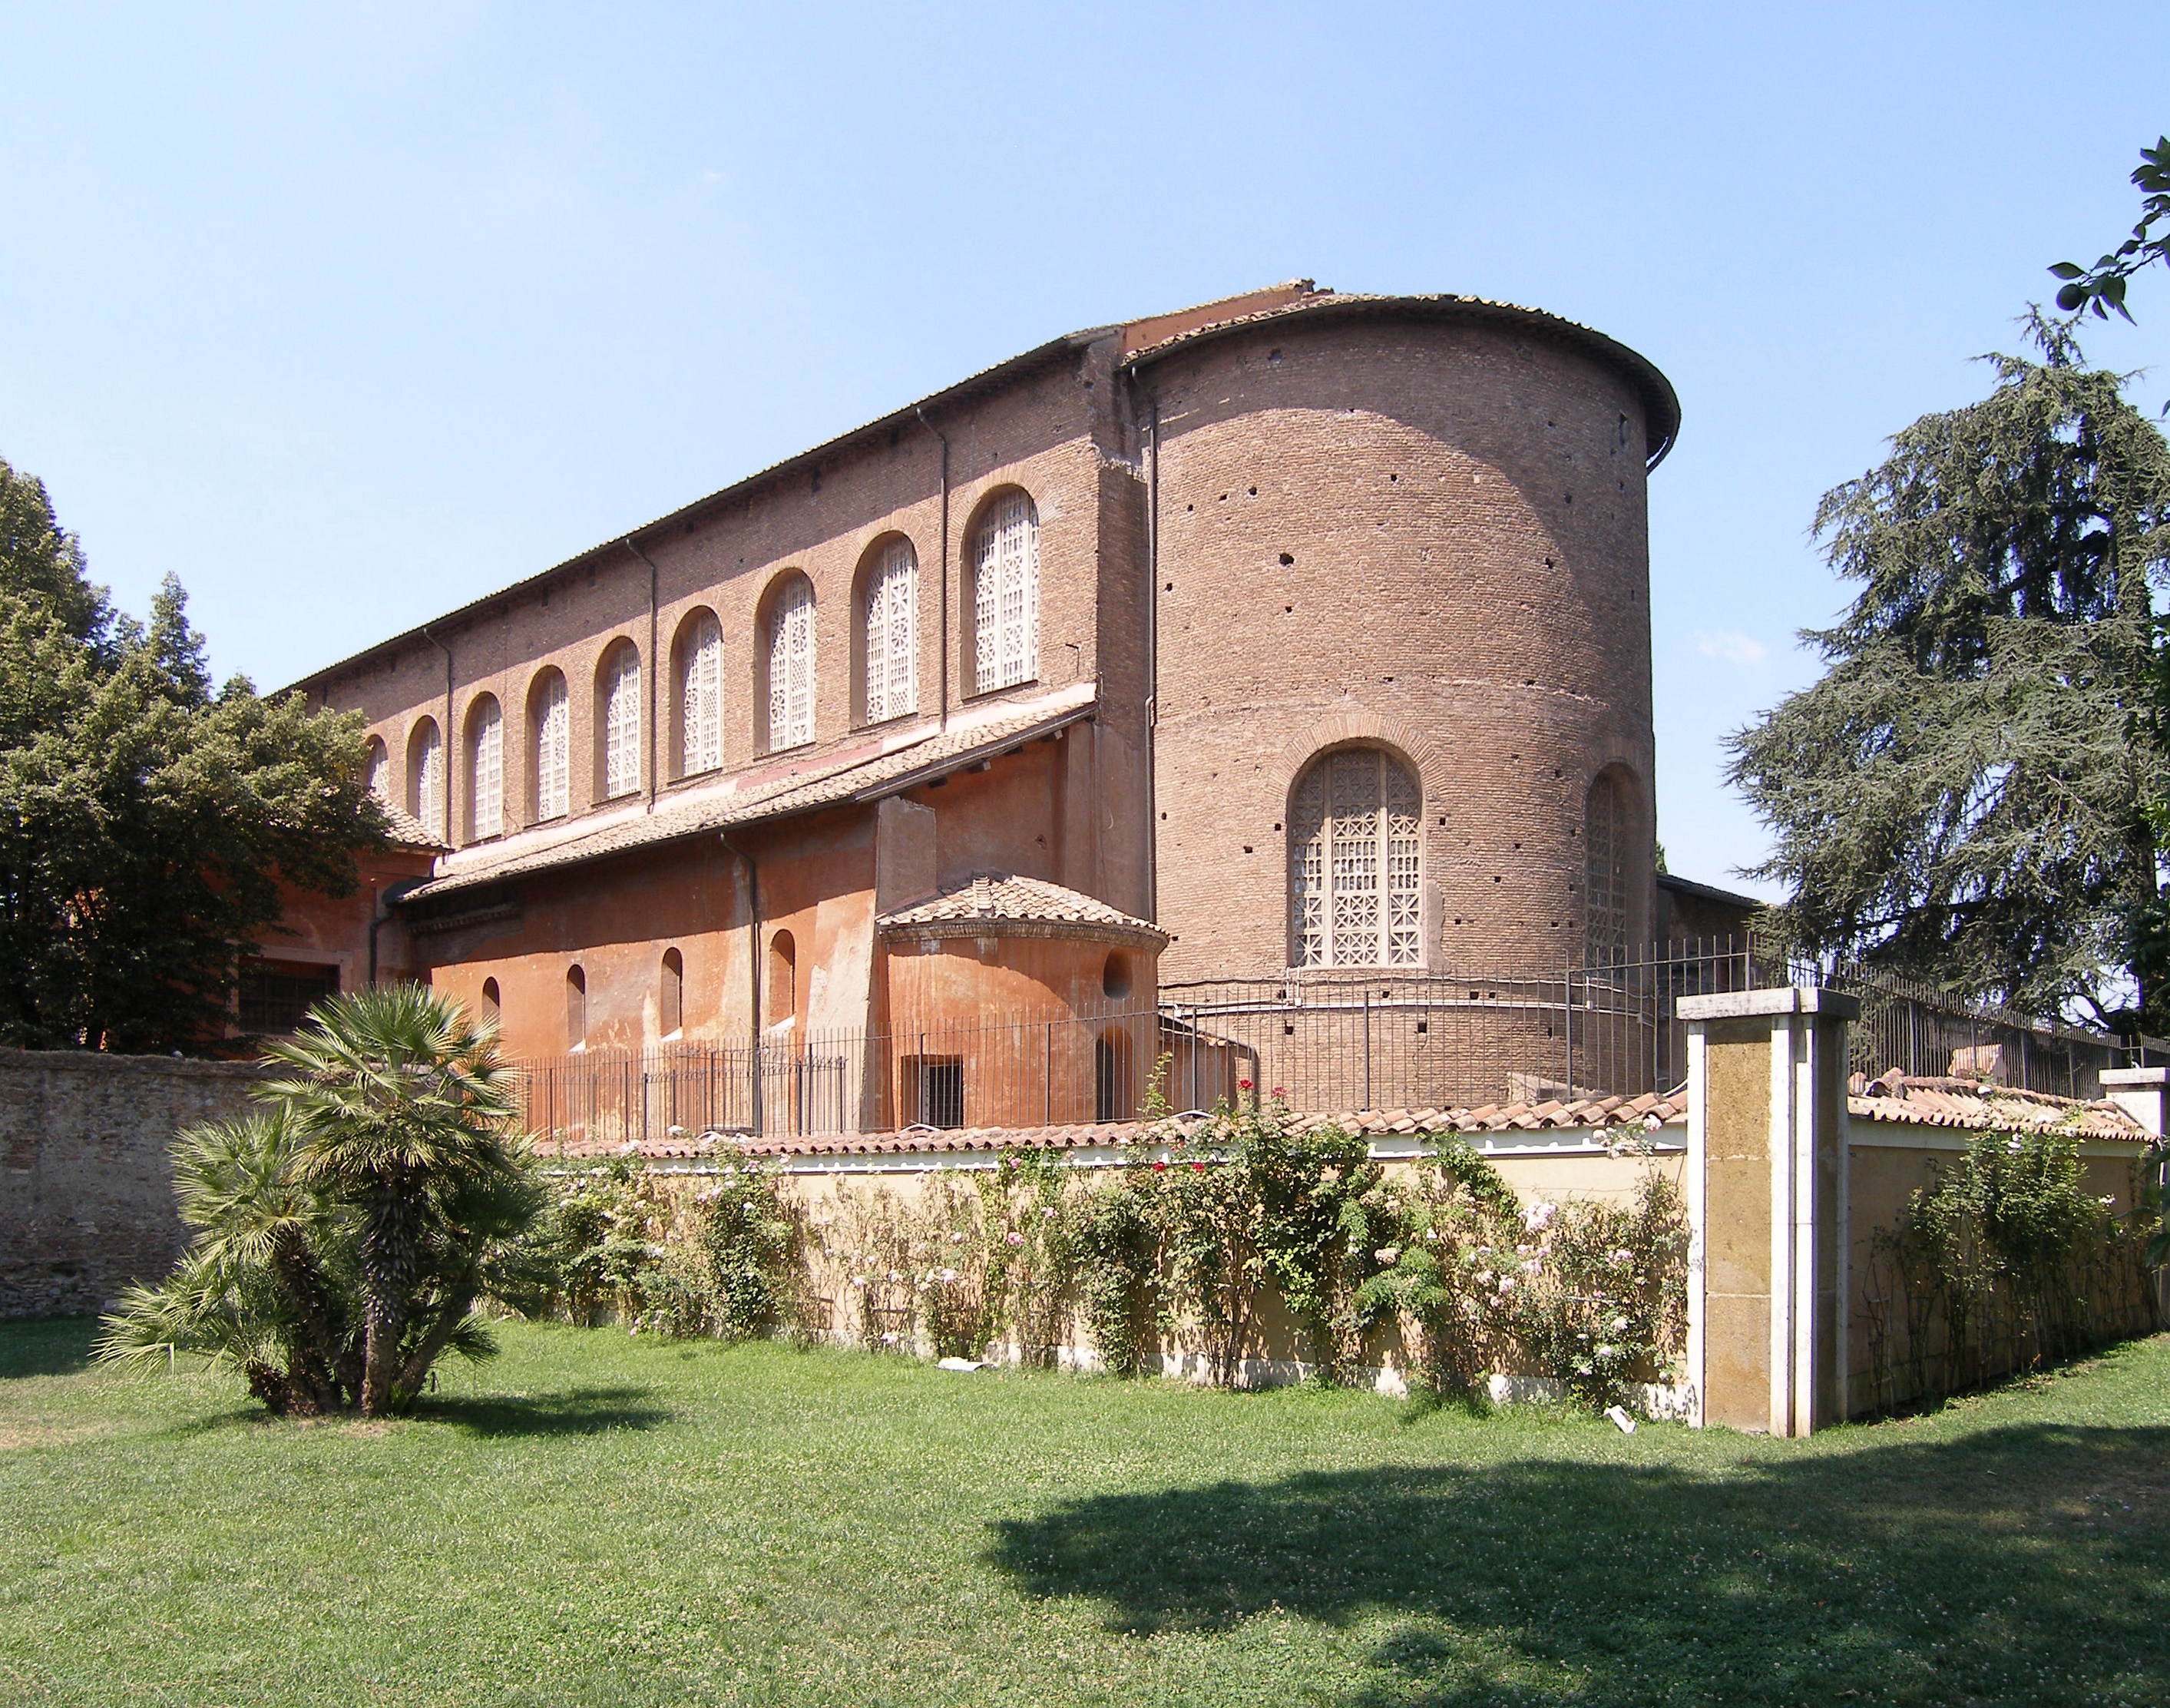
(1328, 1041)
(1921, 1031)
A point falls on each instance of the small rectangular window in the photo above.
(276, 995)
(934, 1090)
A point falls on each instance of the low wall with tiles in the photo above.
(86, 1175)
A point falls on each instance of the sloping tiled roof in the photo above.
(1962, 1103)
(860, 777)
(1647, 1113)
(1002, 898)
(408, 830)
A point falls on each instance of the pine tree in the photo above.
(1965, 795)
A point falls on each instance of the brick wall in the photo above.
(86, 1181)
(1427, 535)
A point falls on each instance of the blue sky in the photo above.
(349, 314)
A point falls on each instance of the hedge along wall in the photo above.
(892, 1251)
(86, 1173)
(2011, 1264)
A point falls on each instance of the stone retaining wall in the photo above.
(86, 1180)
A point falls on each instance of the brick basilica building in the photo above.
(1295, 632)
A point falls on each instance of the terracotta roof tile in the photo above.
(1669, 1110)
(408, 830)
(1950, 1103)
(862, 775)
(1004, 898)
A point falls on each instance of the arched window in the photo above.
(700, 695)
(576, 1008)
(781, 1000)
(672, 1008)
(618, 723)
(425, 777)
(493, 1009)
(1354, 890)
(485, 770)
(1006, 595)
(891, 612)
(377, 771)
(1605, 896)
(791, 666)
(549, 715)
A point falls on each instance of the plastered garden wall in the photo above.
(846, 1203)
(86, 1177)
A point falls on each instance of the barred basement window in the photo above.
(1354, 894)
(700, 696)
(1605, 901)
(892, 634)
(425, 777)
(276, 995)
(621, 723)
(791, 667)
(485, 770)
(550, 715)
(1006, 595)
(934, 1090)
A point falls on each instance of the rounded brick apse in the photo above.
(1401, 569)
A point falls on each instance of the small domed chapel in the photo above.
(1295, 637)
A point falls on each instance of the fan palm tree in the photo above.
(402, 1107)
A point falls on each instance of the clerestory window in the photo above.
(791, 667)
(892, 633)
(1355, 891)
(552, 714)
(701, 683)
(1006, 595)
(621, 723)
(1605, 896)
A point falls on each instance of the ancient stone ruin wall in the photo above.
(86, 1177)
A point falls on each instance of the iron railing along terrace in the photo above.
(1328, 1041)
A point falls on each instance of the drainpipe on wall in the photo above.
(652, 667)
(753, 971)
(445, 827)
(942, 579)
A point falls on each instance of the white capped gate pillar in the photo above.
(1766, 1182)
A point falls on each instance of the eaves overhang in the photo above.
(1661, 404)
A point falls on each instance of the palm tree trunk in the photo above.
(388, 1284)
(453, 1312)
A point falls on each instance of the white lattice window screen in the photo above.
(892, 661)
(1005, 602)
(791, 668)
(553, 745)
(622, 726)
(375, 773)
(486, 773)
(1605, 937)
(703, 709)
(427, 789)
(1354, 882)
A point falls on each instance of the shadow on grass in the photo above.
(47, 1346)
(574, 1412)
(2021, 1564)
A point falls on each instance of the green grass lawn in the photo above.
(595, 1519)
